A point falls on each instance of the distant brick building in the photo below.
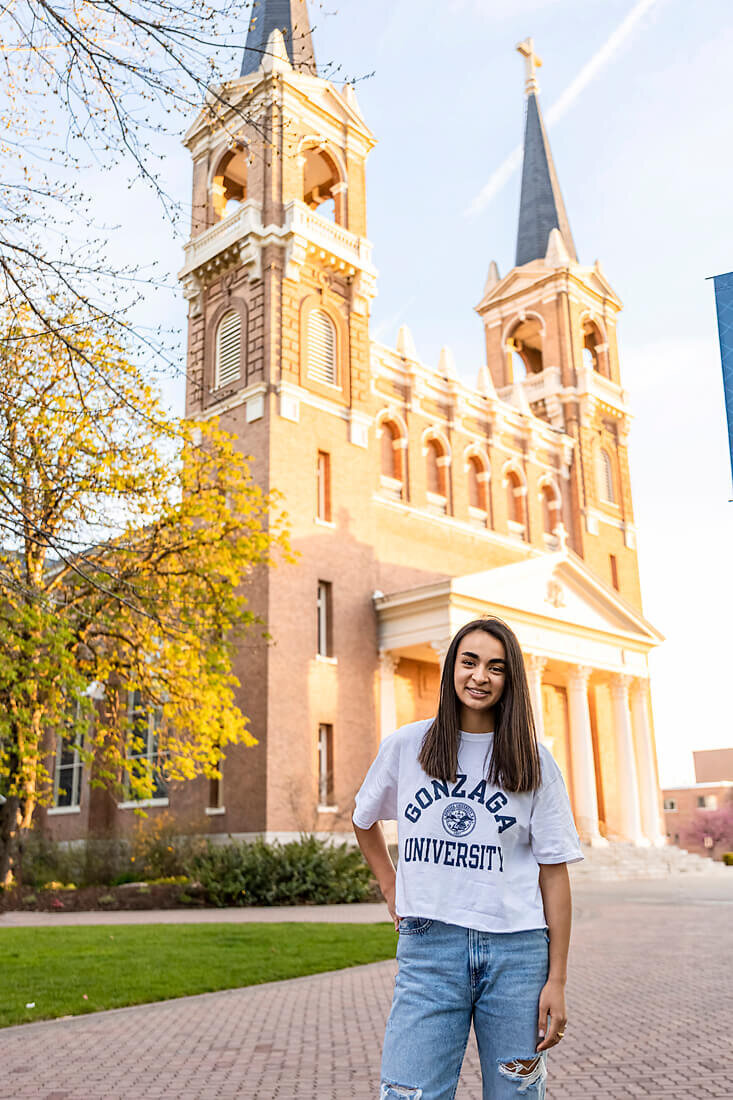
(417, 501)
(712, 791)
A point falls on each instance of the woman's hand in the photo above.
(552, 1004)
(555, 888)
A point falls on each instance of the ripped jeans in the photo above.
(449, 976)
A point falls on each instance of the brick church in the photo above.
(417, 501)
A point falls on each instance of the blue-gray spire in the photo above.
(541, 208)
(288, 16)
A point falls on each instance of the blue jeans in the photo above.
(449, 976)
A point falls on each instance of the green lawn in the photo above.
(68, 971)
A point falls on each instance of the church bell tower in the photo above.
(279, 281)
(278, 270)
(550, 328)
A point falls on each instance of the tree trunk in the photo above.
(11, 840)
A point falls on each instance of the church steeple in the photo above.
(541, 208)
(288, 16)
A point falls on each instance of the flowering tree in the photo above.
(125, 536)
(713, 826)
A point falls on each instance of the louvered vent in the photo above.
(227, 349)
(321, 348)
(607, 478)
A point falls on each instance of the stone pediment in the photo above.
(342, 107)
(523, 278)
(560, 587)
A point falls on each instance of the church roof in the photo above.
(288, 16)
(541, 208)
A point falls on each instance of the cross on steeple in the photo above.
(531, 63)
(541, 208)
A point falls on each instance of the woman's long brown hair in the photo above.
(515, 759)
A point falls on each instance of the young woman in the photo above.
(481, 897)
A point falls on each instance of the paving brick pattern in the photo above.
(650, 1006)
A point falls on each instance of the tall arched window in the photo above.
(229, 186)
(524, 350)
(595, 352)
(391, 465)
(228, 349)
(515, 504)
(321, 348)
(550, 509)
(605, 477)
(434, 470)
(323, 188)
(477, 478)
(474, 486)
(514, 500)
(388, 454)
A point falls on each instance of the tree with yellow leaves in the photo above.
(125, 537)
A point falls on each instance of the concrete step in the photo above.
(621, 860)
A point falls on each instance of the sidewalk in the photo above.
(365, 913)
(650, 1015)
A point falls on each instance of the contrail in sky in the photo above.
(507, 169)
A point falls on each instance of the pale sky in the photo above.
(640, 133)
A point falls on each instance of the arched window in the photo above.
(474, 485)
(550, 509)
(515, 491)
(477, 478)
(321, 348)
(605, 477)
(514, 500)
(524, 350)
(228, 350)
(391, 466)
(436, 452)
(322, 184)
(229, 187)
(594, 349)
(390, 456)
(434, 469)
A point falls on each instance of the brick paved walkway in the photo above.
(650, 1006)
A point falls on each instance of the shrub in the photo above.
(728, 859)
(308, 871)
(95, 862)
(160, 850)
(45, 861)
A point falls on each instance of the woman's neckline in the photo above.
(475, 736)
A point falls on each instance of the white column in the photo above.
(648, 788)
(628, 783)
(581, 756)
(535, 667)
(387, 703)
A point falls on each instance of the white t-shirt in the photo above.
(469, 852)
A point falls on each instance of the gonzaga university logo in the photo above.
(459, 819)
